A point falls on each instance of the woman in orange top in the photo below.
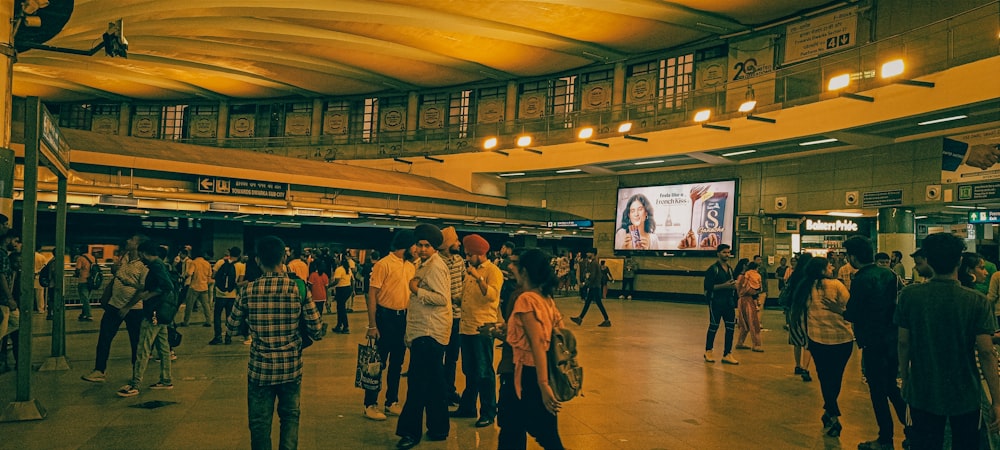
(748, 286)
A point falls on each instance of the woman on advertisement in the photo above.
(637, 226)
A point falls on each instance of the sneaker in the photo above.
(127, 391)
(576, 320)
(729, 359)
(228, 340)
(393, 409)
(709, 357)
(621, 297)
(173, 356)
(248, 340)
(94, 377)
(372, 412)
(758, 350)
(605, 324)
(806, 377)
(742, 347)
(629, 297)
(161, 386)
(799, 370)
(875, 445)
(215, 341)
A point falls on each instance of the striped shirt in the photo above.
(456, 267)
(271, 306)
(825, 326)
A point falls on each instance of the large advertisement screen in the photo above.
(683, 218)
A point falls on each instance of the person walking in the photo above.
(820, 301)
(84, 264)
(749, 289)
(720, 291)
(272, 307)
(594, 276)
(797, 335)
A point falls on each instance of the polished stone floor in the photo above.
(646, 387)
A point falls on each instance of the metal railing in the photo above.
(961, 39)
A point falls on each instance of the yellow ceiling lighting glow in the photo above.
(490, 143)
(892, 68)
(585, 133)
(839, 82)
(748, 106)
(625, 127)
(523, 141)
(703, 115)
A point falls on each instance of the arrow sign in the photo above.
(206, 184)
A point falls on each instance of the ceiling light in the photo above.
(919, 217)
(741, 152)
(490, 143)
(844, 214)
(569, 171)
(839, 82)
(625, 127)
(821, 141)
(748, 106)
(892, 68)
(702, 115)
(523, 141)
(512, 174)
(643, 163)
(946, 119)
(585, 133)
(961, 207)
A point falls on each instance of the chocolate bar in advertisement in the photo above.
(713, 219)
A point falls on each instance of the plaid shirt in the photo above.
(271, 306)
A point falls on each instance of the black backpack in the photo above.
(96, 278)
(225, 277)
(45, 276)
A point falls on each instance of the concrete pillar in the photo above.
(6, 76)
(510, 107)
(316, 131)
(124, 120)
(412, 113)
(897, 231)
(222, 128)
(618, 92)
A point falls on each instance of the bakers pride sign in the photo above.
(834, 226)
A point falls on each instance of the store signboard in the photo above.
(834, 226)
(242, 188)
(882, 198)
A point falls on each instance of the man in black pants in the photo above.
(593, 286)
(128, 278)
(720, 291)
(871, 309)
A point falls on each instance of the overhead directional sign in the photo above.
(242, 188)
(984, 216)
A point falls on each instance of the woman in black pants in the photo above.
(819, 301)
(343, 290)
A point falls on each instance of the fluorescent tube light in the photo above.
(946, 119)
(742, 152)
(643, 163)
(821, 141)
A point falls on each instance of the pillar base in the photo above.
(22, 411)
(54, 363)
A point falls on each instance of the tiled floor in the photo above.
(646, 387)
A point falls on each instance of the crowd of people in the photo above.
(927, 345)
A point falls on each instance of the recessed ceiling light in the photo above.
(821, 141)
(945, 119)
(742, 152)
(512, 174)
(643, 163)
(569, 171)
(844, 214)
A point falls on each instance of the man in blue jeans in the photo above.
(271, 306)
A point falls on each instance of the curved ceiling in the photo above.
(254, 49)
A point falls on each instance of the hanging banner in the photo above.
(490, 110)
(820, 35)
(203, 126)
(531, 105)
(642, 88)
(298, 124)
(971, 157)
(596, 96)
(104, 124)
(750, 72)
(335, 122)
(241, 125)
(710, 74)
(433, 116)
(146, 126)
(393, 118)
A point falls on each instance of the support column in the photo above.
(57, 360)
(412, 114)
(222, 128)
(316, 131)
(6, 76)
(510, 108)
(618, 92)
(897, 231)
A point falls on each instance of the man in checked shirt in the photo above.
(271, 306)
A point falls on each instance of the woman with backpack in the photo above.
(529, 332)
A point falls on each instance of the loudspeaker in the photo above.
(851, 198)
(933, 192)
(780, 203)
